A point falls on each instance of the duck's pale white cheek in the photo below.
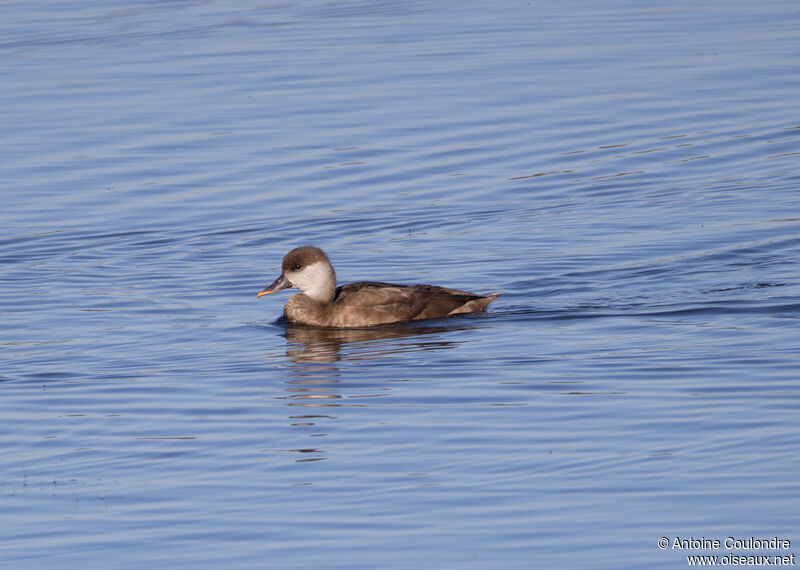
(299, 280)
(292, 278)
(316, 280)
(311, 278)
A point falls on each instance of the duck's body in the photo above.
(370, 303)
(366, 303)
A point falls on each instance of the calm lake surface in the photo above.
(628, 175)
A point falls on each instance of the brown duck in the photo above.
(366, 303)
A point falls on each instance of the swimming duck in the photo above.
(366, 303)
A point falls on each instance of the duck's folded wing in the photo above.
(442, 301)
(387, 302)
(375, 303)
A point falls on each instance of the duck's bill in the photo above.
(279, 284)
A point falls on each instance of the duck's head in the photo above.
(308, 269)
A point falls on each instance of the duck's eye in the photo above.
(296, 267)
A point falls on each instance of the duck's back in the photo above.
(372, 302)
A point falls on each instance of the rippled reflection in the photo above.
(315, 345)
(315, 379)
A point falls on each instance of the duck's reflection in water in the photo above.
(316, 345)
(316, 387)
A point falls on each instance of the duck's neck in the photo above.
(320, 284)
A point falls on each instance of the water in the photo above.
(627, 175)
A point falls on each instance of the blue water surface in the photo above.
(627, 174)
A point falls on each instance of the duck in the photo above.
(321, 303)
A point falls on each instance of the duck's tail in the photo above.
(476, 305)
